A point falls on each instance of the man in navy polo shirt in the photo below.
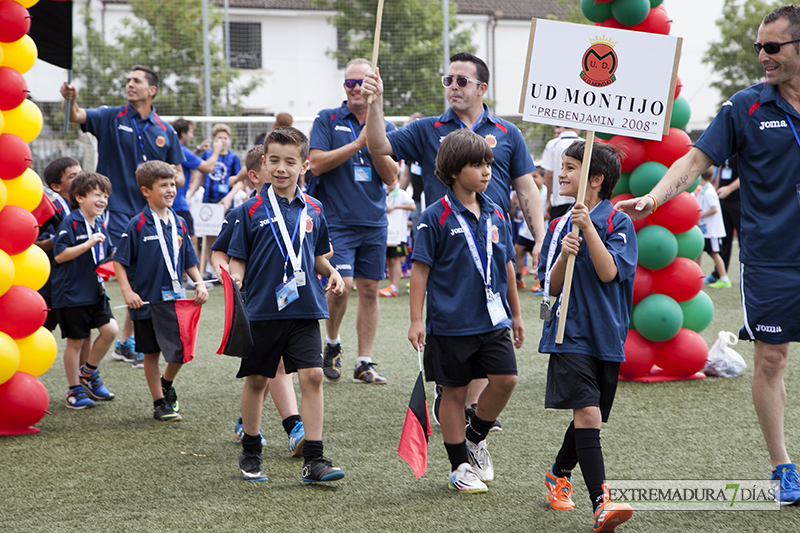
(350, 186)
(127, 136)
(761, 125)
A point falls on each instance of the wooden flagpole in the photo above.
(376, 40)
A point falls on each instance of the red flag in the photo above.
(45, 211)
(175, 326)
(413, 447)
(237, 340)
(106, 268)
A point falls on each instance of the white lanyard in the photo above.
(98, 252)
(295, 258)
(486, 273)
(64, 205)
(171, 262)
(551, 252)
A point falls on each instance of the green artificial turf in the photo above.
(113, 468)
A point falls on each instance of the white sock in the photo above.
(724, 278)
(395, 288)
(361, 359)
(337, 340)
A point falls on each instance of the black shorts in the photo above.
(712, 244)
(297, 340)
(455, 361)
(52, 314)
(78, 322)
(525, 243)
(187, 216)
(575, 381)
(401, 250)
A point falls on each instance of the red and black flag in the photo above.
(236, 338)
(175, 325)
(413, 447)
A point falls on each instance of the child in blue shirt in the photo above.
(467, 322)
(583, 369)
(284, 300)
(153, 253)
(80, 244)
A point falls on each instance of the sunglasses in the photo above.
(461, 81)
(352, 83)
(771, 47)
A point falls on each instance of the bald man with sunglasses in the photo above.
(761, 125)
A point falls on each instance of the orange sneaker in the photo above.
(520, 284)
(560, 495)
(609, 514)
(536, 288)
(525, 271)
(388, 292)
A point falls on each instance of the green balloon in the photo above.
(622, 185)
(694, 185)
(691, 243)
(604, 136)
(681, 112)
(631, 325)
(595, 11)
(630, 12)
(658, 318)
(697, 312)
(657, 247)
(655, 3)
(645, 176)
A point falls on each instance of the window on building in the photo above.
(245, 45)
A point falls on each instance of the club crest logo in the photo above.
(491, 140)
(599, 62)
(309, 224)
(180, 240)
(160, 141)
(495, 234)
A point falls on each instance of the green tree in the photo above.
(165, 36)
(410, 57)
(733, 57)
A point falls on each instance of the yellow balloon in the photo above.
(24, 121)
(37, 352)
(28, 3)
(6, 272)
(3, 194)
(25, 191)
(9, 357)
(19, 55)
(31, 268)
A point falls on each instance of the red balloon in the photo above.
(683, 355)
(640, 354)
(13, 89)
(18, 229)
(611, 23)
(637, 224)
(632, 152)
(679, 214)
(642, 284)
(22, 312)
(24, 399)
(642, 222)
(15, 156)
(15, 21)
(657, 21)
(681, 280)
(678, 86)
(670, 148)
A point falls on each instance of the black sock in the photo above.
(289, 422)
(165, 384)
(251, 443)
(478, 429)
(590, 457)
(158, 403)
(312, 450)
(457, 453)
(87, 369)
(567, 457)
(519, 276)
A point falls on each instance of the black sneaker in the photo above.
(250, 464)
(437, 402)
(469, 411)
(332, 361)
(366, 373)
(321, 470)
(164, 413)
(171, 397)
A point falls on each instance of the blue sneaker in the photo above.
(238, 431)
(296, 439)
(124, 351)
(94, 386)
(789, 482)
(708, 280)
(77, 399)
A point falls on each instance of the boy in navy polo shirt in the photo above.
(82, 242)
(468, 322)
(153, 253)
(583, 369)
(284, 300)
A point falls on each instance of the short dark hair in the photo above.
(84, 183)
(149, 74)
(54, 170)
(252, 159)
(480, 66)
(182, 125)
(605, 161)
(288, 136)
(283, 120)
(151, 171)
(459, 149)
(790, 13)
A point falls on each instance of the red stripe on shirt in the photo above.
(142, 221)
(754, 107)
(500, 215)
(447, 211)
(159, 122)
(313, 204)
(124, 111)
(255, 206)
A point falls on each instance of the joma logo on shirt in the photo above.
(150, 238)
(123, 127)
(456, 231)
(264, 222)
(773, 124)
(342, 128)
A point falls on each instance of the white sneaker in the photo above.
(464, 479)
(480, 460)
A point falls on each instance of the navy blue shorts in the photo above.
(525, 243)
(298, 341)
(359, 251)
(455, 361)
(116, 224)
(78, 322)
(770, 300)
(576, 380)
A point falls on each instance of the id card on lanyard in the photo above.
(545, 310)
(170, 260)
(287, 292)
(361, 170)
(98, 251)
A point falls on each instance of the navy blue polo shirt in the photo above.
(75, 282)
(420, 140)
(119, 151)
(254, 242)
(599, 313)
(216, 183)
(140, 253)
(457, 308)
(754, 125)
(348, 202)
(190, 162)
(49, 232)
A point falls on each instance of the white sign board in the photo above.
(600, 79)
(208, 218)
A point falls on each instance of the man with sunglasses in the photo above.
(350, 187)
(761, 125)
